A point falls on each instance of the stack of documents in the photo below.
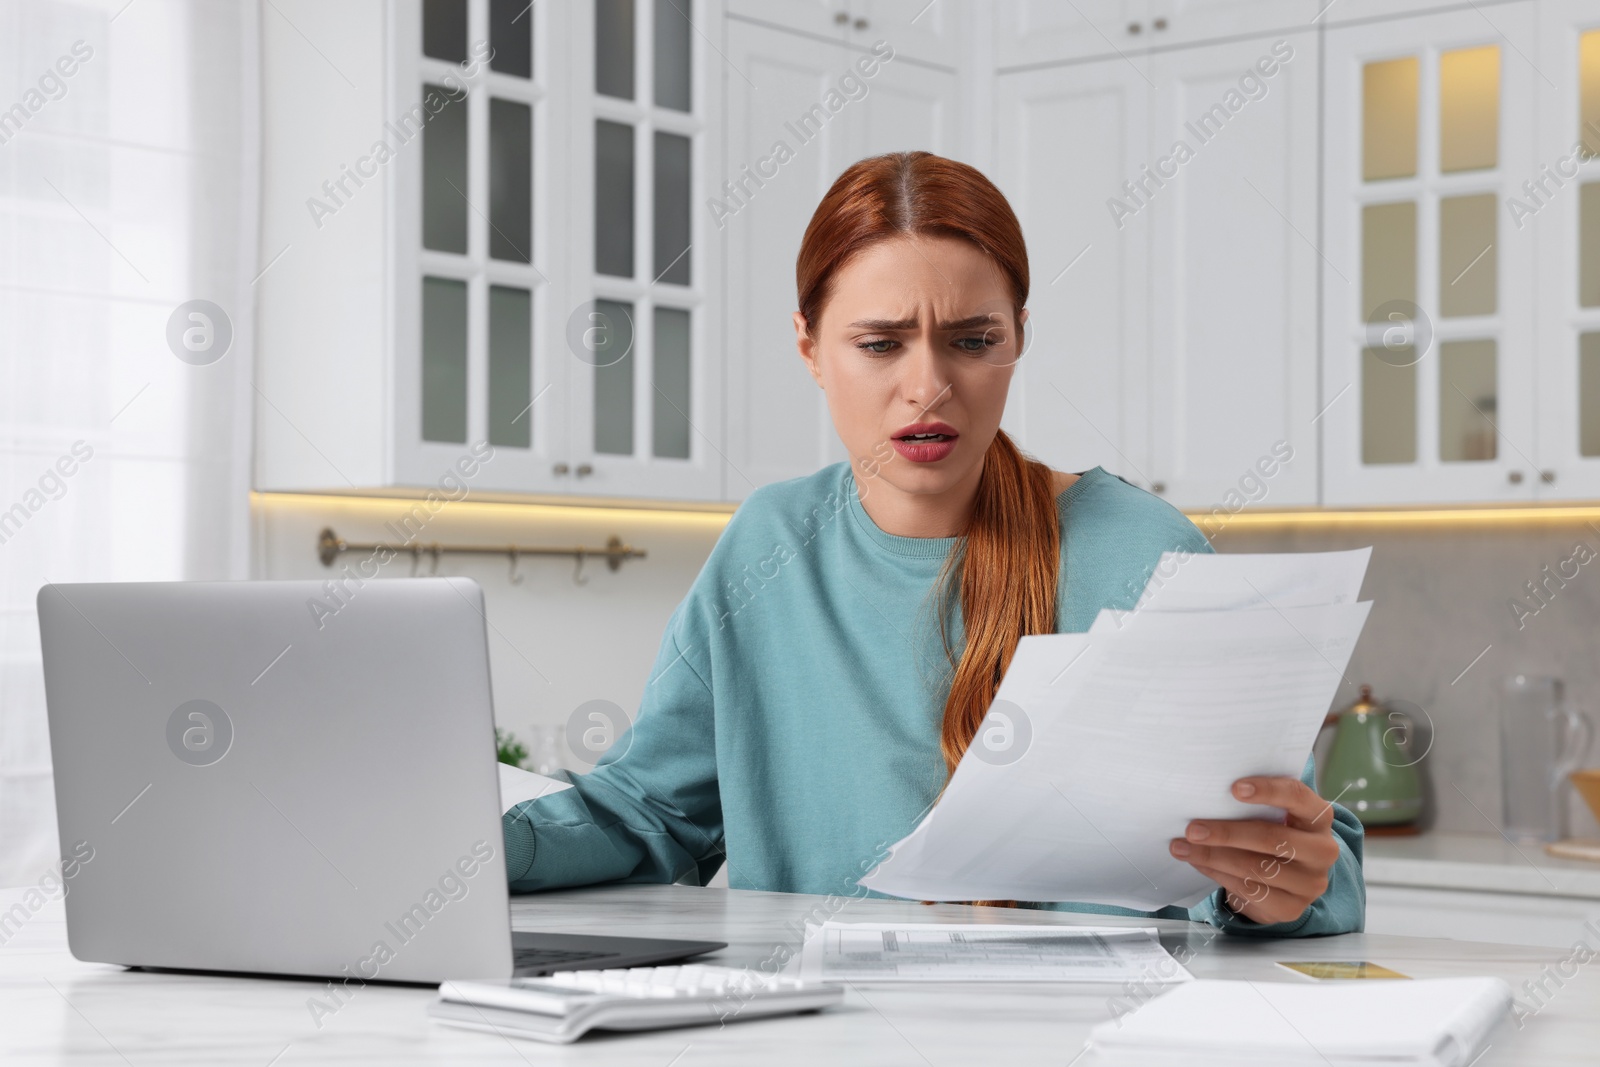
(968, 952)
(1101, 747)
(1440, 1022)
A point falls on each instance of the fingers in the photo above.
(1253, 873)
(1306, 809)
(1269, 840)
(1256, 900)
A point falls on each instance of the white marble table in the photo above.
(54, 1009)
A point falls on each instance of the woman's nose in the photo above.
(925, 383)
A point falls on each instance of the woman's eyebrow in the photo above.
(886, 325)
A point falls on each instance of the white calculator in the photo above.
(563, 1006)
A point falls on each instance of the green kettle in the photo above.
(1369, 768)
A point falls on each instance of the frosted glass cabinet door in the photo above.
(1563, 220)
(1429, 283)
(643, 338)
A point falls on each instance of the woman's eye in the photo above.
(879, 348)
(976, 344)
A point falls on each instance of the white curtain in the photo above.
(128, 174)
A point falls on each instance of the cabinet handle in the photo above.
(1158, 487)
(559, 468)
(841, 17)
(1547, 477)
(1159, 24)
(1135, 28)
(585, 468)
(1514, 477)
(861, 24)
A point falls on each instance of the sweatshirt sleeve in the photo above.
(1341, 909)
(649, 811)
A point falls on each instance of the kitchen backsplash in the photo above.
(1457, 606)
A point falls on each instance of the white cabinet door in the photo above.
(928, 32)
(1559, 210)
(778, 425)
(1173, 22)
(1229, 186)
(1427, 289)
(777, 419)
(820, 18)
(1029, 32)
(1068, 137)
(1339, 12)
(1463, 915)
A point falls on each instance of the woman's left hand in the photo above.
(1270, 871)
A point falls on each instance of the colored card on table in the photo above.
(1341, 969)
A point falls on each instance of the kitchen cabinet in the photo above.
(920, 31)
(1428, 291)
(1555, 205)
(521, 272)
(1033, 32)
(1340, 12)
(1166, 202)
(782, 163)
(1469, 915)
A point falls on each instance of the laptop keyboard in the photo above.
(546, 957)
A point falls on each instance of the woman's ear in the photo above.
(807, 346)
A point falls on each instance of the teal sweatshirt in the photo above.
(790, 727)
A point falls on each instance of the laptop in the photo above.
(290, 778)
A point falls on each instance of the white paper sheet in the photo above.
(1246, 580)
(517, 785)
(1131, 732)
(968, 952)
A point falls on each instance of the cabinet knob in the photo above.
(841, 17)
(585, 468)
(1158, 24)
(861, 24)
(1135, 28)
(1547, 477)
(559, 468)
(1514, 477)
(1158, 487)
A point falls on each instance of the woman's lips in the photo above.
(925, 451)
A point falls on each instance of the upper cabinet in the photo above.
(1169, 200)
(1556, 204)
(1032, 32)
(917, 30)
(1284, 252)
(509, 265)
(1429, 355)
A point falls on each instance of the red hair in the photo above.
(1009, 553)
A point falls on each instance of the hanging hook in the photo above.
(433, 559)
(416, 552)
(516, 579)
(577, 574)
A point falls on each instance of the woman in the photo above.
(842, 643)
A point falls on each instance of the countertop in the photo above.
(1484, 862)
(54, 1009)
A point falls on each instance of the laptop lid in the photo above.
(285, 777)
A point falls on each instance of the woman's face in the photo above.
(919, 332)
